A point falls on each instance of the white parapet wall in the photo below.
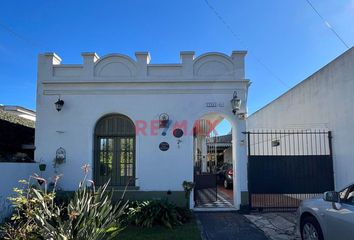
(10, 175)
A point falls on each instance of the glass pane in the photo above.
(106, 156)
(126, 156)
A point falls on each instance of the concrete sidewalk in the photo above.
(227, 226)
(276, 225)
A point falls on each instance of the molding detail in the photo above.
(115, 65)
(121, 68)
(213, 65)
(135, 91)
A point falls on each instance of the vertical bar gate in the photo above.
(288, 166)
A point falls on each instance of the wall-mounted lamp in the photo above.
(59, 104)
(235, 103)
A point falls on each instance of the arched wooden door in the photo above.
(114, 150)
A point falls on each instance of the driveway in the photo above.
(277, 225)
(227, 226)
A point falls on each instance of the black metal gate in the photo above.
(288, 166)
(205, 189)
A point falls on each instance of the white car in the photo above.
(329, 217)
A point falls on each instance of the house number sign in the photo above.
(164, 146)
(214, 104)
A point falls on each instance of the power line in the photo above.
(327, 24)
(19, 36)
(238, 38)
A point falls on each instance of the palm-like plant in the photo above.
(89, 215)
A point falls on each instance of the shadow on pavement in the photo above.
(227, 225)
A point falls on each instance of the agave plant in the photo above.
(89, 215)
(155, 212)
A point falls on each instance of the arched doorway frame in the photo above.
(119, 139)
(237, 126)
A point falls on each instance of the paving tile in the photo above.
(227, 226)
(276, 226)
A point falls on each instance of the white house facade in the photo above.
(115, 103)
(322, 101)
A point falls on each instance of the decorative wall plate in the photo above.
(178, 132)
(164, 146)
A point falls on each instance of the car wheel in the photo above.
(310, 229)
(226, 184)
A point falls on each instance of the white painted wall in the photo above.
(322, 101)
(142, 91)
(11, 173)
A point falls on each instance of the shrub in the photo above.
(188, 188)
(63, 197)
(157, 212)
(22, 224)
(185, 214)
(90, 214)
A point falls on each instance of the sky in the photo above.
(286, 41)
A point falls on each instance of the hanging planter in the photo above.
(60, 158)
(42, 167)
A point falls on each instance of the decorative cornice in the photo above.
(212, 65)
(63, 81)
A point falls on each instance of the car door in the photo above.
(340, 217)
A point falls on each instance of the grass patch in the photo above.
(188, 231)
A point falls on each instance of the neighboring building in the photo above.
(16, 154)
(322, 101)
(220, 148)
(16, 138)
(19, 111)
(118, 115)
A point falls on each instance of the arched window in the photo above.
(114, 150)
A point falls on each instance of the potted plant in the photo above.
(42, 167)
(188, 187)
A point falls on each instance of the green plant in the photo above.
(155, 212)
(63, 197)
(23, 224)
(188, 187)
(90, 214)
(42, 167)
(185, 214)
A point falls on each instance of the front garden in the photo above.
(186, 231)
(40, 212)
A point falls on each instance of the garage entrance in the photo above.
(286, 167)
(213, 167)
